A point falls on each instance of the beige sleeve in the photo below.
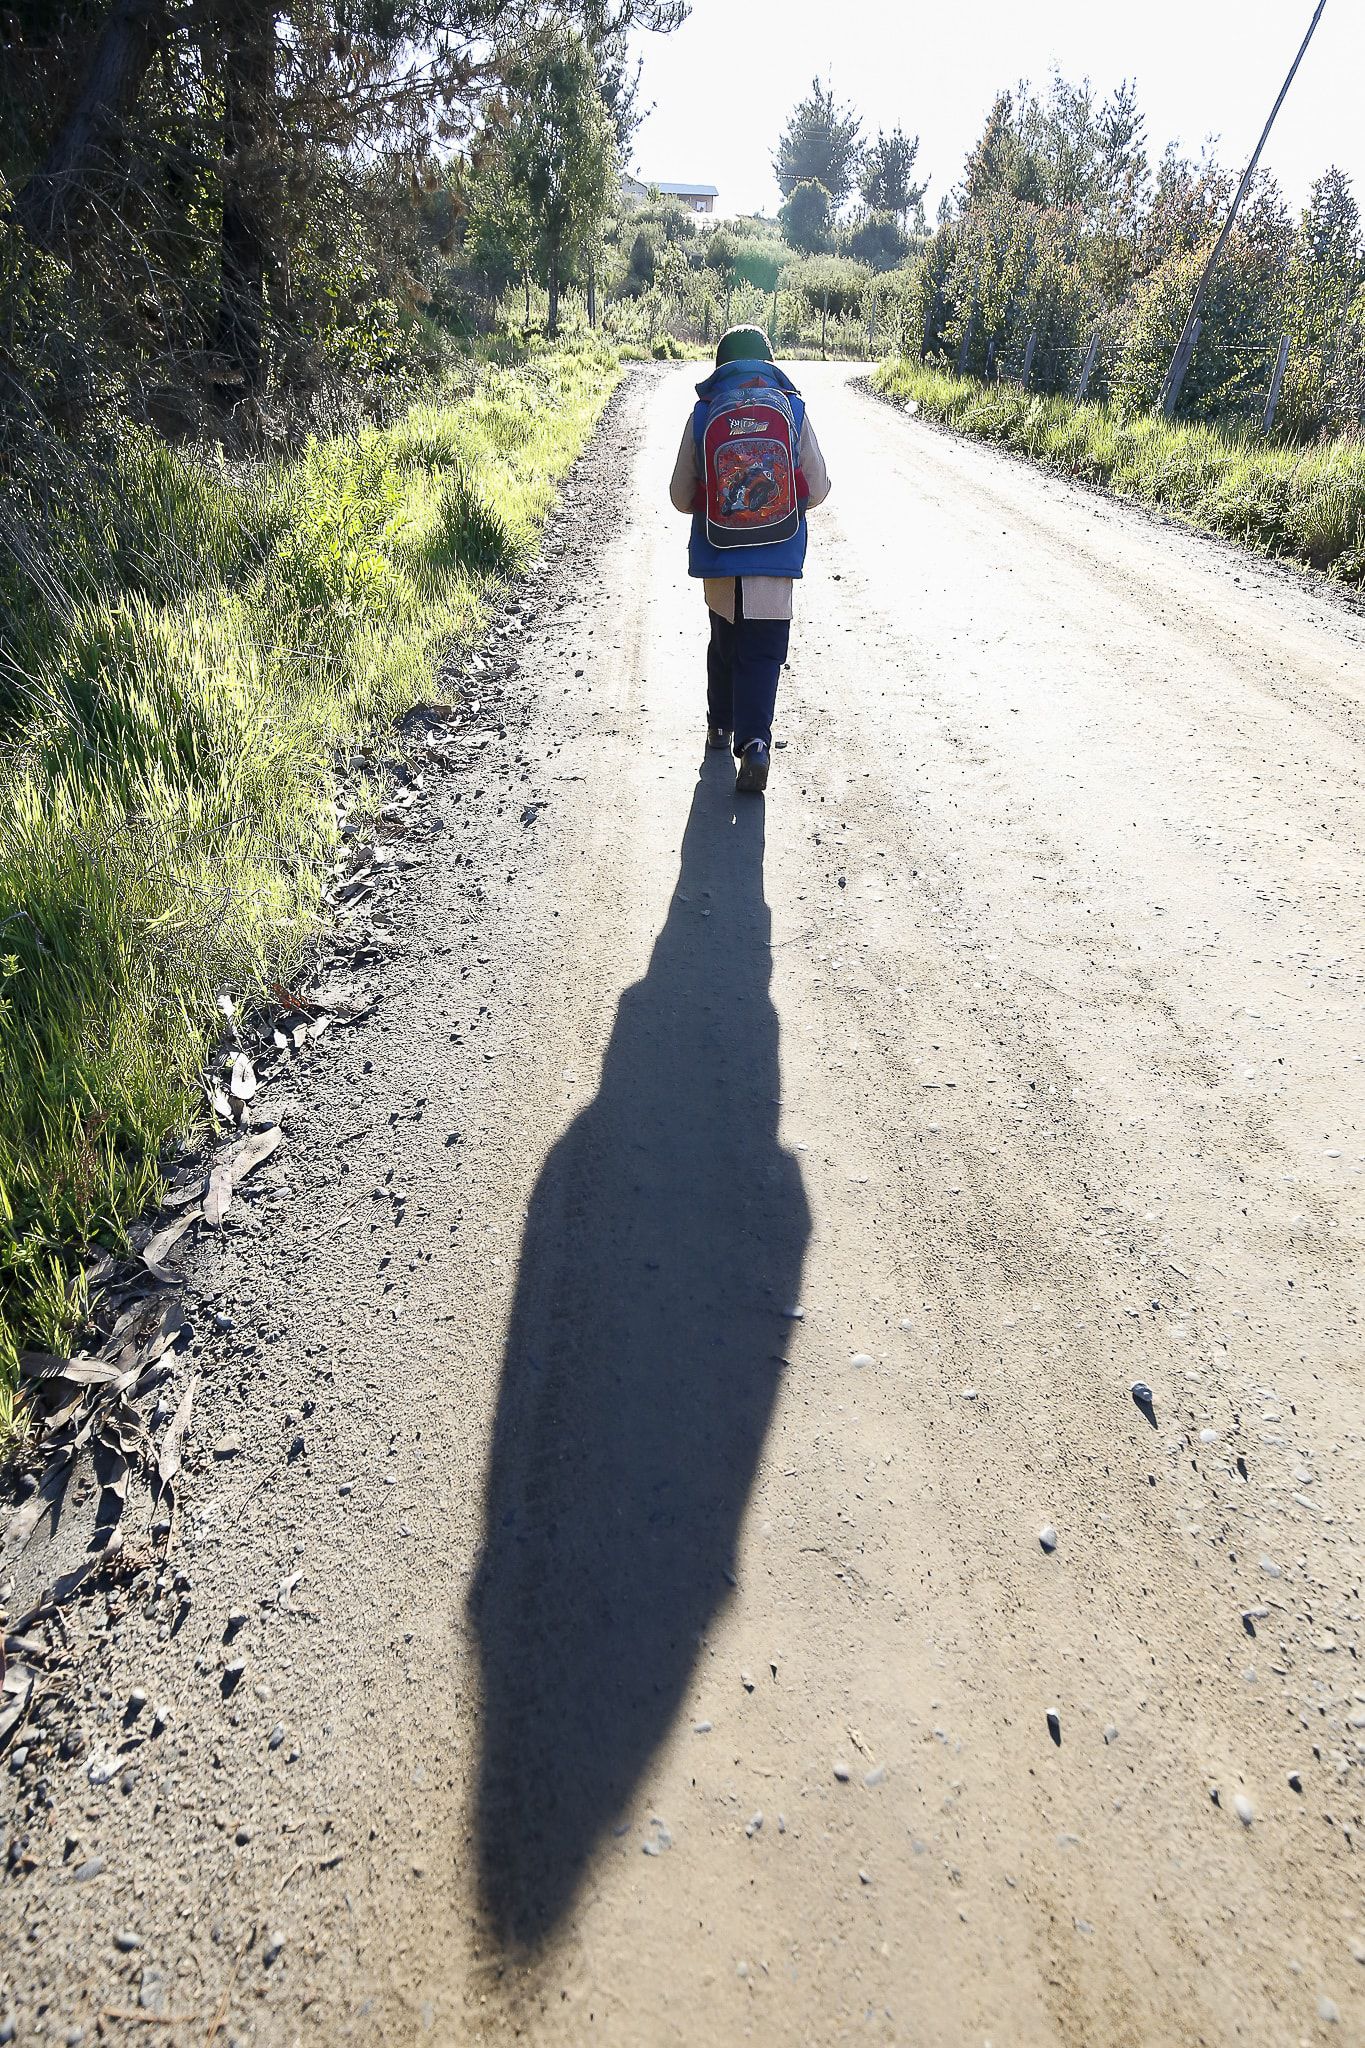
(683, 485)
(813, 465)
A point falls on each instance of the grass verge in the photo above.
(1307, 504)
(188, 656)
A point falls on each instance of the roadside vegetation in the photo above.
(259, 472)
(198, 653)
(1307, 503)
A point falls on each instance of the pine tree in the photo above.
(887, 184)
(821, 143)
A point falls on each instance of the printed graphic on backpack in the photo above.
(749, 471)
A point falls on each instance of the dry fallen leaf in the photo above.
(16, 1696)
(218, 1199)
(254, 1151)
(27, 1517)
(156, 1248)
(168, 1458)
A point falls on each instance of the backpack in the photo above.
(751, 485)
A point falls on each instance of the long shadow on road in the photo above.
(666, 1233)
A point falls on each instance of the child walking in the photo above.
(748, 469)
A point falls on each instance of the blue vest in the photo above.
(778, 558)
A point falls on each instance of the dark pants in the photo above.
(743, 663)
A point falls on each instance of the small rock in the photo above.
(1047, 1536)
(1327, 2012)
(126, 1941)
(8, 2029)
(746, 1681)
(1054, 1726)
(221, 1320)
(152, 1990)
(755, 1823)
(1243, 1808)
(276, 1735)
(795, 1315)
(861, 1358)
(347, 1487)
(227, 1446)
(1144, 1397)
(1271, 1569)
(701, 1727)
(272, 1950)
(91, 1867)
(876, 1776)
(1111, 1733)
(841, 1771)
(864, 1877)
(1295, 1782)
(243, 1836)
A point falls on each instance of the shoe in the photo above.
(717, 736)
(753, 768)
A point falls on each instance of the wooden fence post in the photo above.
(990, 358)
(964, 346)
(1281, 365)
(1029, 346)
(1088, 366)
(931, 320)
(1180, 363)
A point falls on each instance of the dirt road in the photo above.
(731, 1244)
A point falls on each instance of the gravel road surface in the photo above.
(686, 1344)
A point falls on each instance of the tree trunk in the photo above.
(248, 31)
(50, 201)
(592, 292)
(526, 281)
(552, 323)
(824, 322)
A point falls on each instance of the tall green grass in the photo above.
(189, 654)
(1307, 503)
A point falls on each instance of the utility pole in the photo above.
(1180, 361)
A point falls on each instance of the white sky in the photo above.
(723, 86)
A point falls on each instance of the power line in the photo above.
(1180, 361)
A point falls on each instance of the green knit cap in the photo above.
(744, 345)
